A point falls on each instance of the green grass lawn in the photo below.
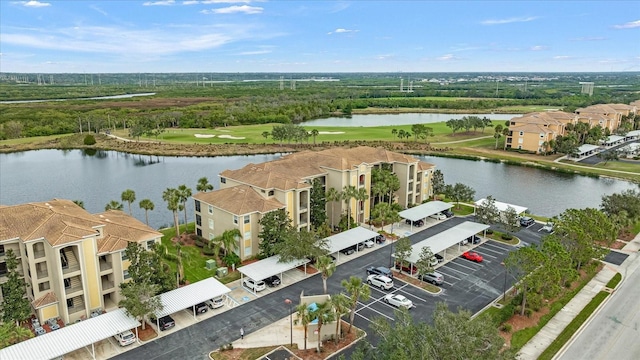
(619, 165)
(526, 108)
(26, 140)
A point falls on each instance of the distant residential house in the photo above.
(247, 194)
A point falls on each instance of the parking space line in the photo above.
(466, 267)
(484, 254)
(401, 289)
(498, 245)
(456, 270)
(491, 250)
(448, 275)
(374, 310)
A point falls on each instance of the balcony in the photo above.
(38, 254)
(70, 269)
(105, 266)
(42, 274)
(75, 309)
(107, 285)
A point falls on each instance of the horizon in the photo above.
(318, 37)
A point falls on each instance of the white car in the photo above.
(369, 243)
(125, 338)
(548, 227)
(398, 301)
(380, 281)
(215, 303)
(254, 285)
(438, 216)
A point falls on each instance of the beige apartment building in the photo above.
(534, 131)
(246, 194)
(72, 261)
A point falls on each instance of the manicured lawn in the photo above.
(614, 281)
(193, 261)
(526, 108)
(619, 165)
(462, 209)
(35, 139)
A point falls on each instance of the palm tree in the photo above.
(113, 205)
(394, 132)
(340, 304)
(393, 184)
(314, 133)
(147, 205)
(349, 192)
(10, 334)
(266, 134)
(361, 195)
(382, 212)
(357, 290)
(326, 267)
(129, 196)
(378, 189)
(304, 318)
(79, 203)
(324, 314)
(184, 193)
(203, 185)
(229, 240)
(172, 197)
(497, 134)
(333, 195)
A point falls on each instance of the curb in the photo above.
(355, 342)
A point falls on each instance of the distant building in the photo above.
(587, 88)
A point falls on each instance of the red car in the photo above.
(408, 269)
(473, 256)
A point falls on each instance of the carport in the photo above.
(632, 135)
(423, 210)
(613, 140)
(270, 266)
(72, 337)
(585, 150)
(502, 207)
(446, 239)
(348, 239)
(189, 296)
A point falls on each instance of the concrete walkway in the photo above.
(555, 326)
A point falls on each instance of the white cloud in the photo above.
(629, 25)
(341, 31)
(508, 21)
(159, 3)
(589, 38)
(96, 8)
(446, 57)
(190, 2)
(225, 1)
(561, 57)
(538, 48)
(234, 10)
(33, 3)
(256, 52)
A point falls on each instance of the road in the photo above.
(613, 332)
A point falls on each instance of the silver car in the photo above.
(433, 277)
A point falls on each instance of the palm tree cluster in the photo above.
(346, 195)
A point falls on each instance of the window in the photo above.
(541, 136)
(210, 209)
(520, 141)
(271, 192)
(361, 181)
(199, 232)
(69, 303)
(211, 236)
(223, 180)
(519, 147)
(125, 275)
(150, 244)
(124, 255)
(211, 224)
(44, 286)
(3, 269)
(198, 220)
(1, 250)
(521, 133)
(247, 218)
(235, 219)
(197, 205)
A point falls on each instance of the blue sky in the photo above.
(50, 36)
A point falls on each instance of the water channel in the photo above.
(98, 178)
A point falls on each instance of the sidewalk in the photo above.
(555, 326)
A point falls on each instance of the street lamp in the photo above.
(288, 302)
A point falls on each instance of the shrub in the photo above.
(208, 250)
(89, 140)
(528, 312)
(506, 236)
(507, 327)
(231, 259)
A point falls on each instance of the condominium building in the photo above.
(246, 194)
(72, 261)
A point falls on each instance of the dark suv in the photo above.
(380, 239)
(526, 221)
(201, 308)
(380, 270)
(166, 322)
(416, 223)
(272, 281)
(448, 213)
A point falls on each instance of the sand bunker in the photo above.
(204, 135)
(330, 132)
(231, 137)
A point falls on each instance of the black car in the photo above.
(439, 257)
(380, 270)
(526, 221)
(416, 223)
(166, 322)
(201, 308)
(272, 281)
(448, 213)
(380, 239)
(475, 239)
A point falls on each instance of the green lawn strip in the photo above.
(619, 165)
(614, 281)
(636, 228)
(462, 209)
(521, 337)
(573, 326)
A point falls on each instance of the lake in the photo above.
(99, 178)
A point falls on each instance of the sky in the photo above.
(121, 36)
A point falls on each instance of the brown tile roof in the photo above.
(425, 165)
(239, 200)
(598, 109)
(544, 118)
(57, 221)
(531, 128)
(44, 300)
(623, 107)
(120, 229)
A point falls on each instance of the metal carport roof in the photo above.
(349, 238)
(503, 206)
(446, 239)
(270, 266)
(423, 210)
(72, 337)
(190, 295)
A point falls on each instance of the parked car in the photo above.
(464, 242)
(398, 301)
(125, 338)
(439, 257)
(433, 277)
(380, 239)
(201, 308)
(416, 223)
(165, 322)
(438, 216)
(548, 227)
(348, 251)
(216, 302)
(254, 285)
(475, 239)
(433, 261)
(380, 281)
(526, 221)
(473, 256)
(406, 268)
(380, 270)
(368, 243)
(448, 213)
(272, 281)
(360, 246)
